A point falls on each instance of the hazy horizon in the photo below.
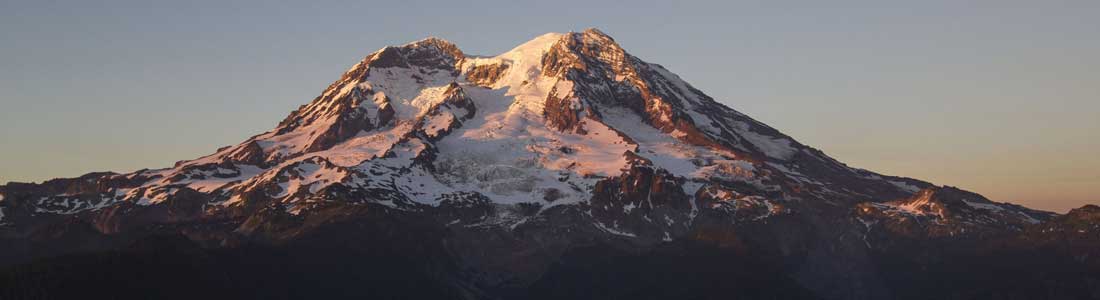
(998, 97)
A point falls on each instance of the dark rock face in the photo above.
(1083, 215)
(1075, 235)
(442, 118)
(947, 213)
(486, 75)
(430, 53)
(89, 183)
(251, 153)
(643, 200)
(347, 125)
(368, 192)
(562, 111)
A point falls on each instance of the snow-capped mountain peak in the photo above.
(561, 120)
(486, 174)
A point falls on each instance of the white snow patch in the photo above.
(511, 156)
(679, 158)
(437, 123)
(312, 176)
(613, 231)
(212, 183)
(905, 186)
(691, 188)
(774, 147)
(984, 206)
(1028, 218)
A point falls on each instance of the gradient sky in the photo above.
(999, 97)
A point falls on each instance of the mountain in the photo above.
(563, 168)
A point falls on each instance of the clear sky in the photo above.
(999, 97)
